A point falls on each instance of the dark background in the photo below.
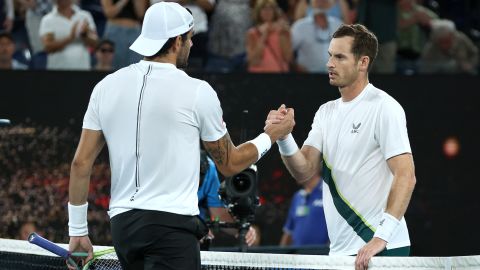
(442, 215)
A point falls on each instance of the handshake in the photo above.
(279, 123)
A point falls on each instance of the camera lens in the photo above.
(241, 183)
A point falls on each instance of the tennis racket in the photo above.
(102, 259)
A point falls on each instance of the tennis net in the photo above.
(19, 255)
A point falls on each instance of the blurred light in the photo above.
(451, 147)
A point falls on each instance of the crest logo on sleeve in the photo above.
(355, 128)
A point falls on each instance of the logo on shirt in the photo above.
(355, 128)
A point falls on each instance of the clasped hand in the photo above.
(279, 123)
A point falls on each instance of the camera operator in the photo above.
(209, 203)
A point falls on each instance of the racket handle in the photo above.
(48, 245)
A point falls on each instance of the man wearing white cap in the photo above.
(152, 116)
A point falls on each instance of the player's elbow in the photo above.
(79, 165)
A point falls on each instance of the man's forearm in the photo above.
(299, 167)
(400, 195)
(79, 184)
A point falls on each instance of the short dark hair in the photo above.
(364, 41)
(103, 42)
(169, 44)
(7, 35)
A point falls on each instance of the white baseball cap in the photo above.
(162, 21)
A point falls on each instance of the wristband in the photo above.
(387, 226)
(77, 220)
(287, 147)
(263, 143)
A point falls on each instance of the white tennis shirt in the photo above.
(356, 139)
(153, 116)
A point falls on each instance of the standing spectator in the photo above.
(414, 23)
(104, 55)
(339, 9)
(311, 37)
(269, 46)
(226, 42)
(380, 16)
(448, 51)
(7, 49)
(200, 10)
(306, 223)
(35, 10)
(66, 33)
(123, 27)
(7, 14)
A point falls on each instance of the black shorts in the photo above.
(145, 239)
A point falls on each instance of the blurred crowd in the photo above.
(274, 36)
(34, 172)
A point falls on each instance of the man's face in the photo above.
(182, 57)
(64, 3)
(7, 48)
(105, 54)
(343, 68)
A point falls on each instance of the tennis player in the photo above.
(362, 139)
(152, 116)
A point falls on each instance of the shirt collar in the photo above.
(157, 64)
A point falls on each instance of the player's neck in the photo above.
(169, 58)
(351, 91)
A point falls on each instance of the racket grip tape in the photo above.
(48, 245)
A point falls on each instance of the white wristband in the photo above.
(387, 226)
(77, 220)
(263, 143)
(287, 147)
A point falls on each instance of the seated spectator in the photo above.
(200, 10)
(269, 45)
(226, 41)
(414, 23)
(448, 51)
(311, 37)
(35, 10)
(26, 229)
(66, 33)
(7, 14)
(305, 224)
(7, 49)
(104, 55)
(124, 18)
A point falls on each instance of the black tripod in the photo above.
(242, 225)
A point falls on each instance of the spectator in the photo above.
(104, 55)
(226, 42)
(200, 10)
(448, 51)
(124, 18)
(7, 49)
(7, 14)
(380, 16)
(26, 229)
(66, 33)
(311, 37)
(305, 224)
(269, 45)
(35, 10)
(339, 9)
(414, 23)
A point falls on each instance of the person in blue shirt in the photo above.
(305, 224)
(209, 203)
